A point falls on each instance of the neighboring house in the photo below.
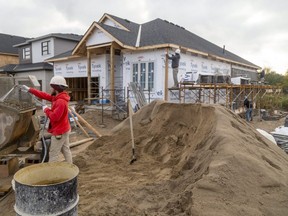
(137, 53)
(34, 52)
(8, 53)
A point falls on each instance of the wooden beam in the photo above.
(76, 121)
(112, 73)
(99, 46)
(89, 76)
(80, 142)
(166, 76)
(86, 123)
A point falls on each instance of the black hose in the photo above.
(44, 142)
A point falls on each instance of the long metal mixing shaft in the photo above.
(37, 101)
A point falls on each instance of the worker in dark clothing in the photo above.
(175, 65)
(249, 108)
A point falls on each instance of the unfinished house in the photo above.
(115, 52)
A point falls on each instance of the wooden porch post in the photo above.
(89, 76)
(166, 77)
(112, 73)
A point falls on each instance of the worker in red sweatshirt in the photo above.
(59, 125)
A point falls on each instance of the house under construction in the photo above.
(115, 52)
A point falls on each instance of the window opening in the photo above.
(45, 47)
(26, 53)
(143, 73)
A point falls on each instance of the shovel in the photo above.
(132, 134)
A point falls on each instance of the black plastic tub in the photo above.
(46, 189)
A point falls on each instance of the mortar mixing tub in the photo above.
(15, 120)
(19, 125)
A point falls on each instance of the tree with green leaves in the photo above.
(273, 78)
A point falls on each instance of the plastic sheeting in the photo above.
(281, 136)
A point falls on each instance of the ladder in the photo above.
(94, 84)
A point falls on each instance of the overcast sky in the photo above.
(256, 30)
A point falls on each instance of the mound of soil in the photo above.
(192, 159)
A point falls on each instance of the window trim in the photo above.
(136, 77)
(26, 53)
(45, 48)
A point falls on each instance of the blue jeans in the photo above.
(249, 114)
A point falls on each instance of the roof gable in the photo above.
(97, 36)
(109, 21)
(108, 34)
(117, 22)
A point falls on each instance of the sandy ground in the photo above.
(191, 160)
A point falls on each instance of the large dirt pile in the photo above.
(192, 159)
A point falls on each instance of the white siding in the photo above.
(37, 51)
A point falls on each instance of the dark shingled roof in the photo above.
(158, 31)
(8, 41)
(8, 68)
(62, 55)
(33, 66)
(161, 32)
(133, 27)
(72, 37)
(14, 68)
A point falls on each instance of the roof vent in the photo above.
(127, 20)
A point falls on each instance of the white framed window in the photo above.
(26, 53)
(143, 73)
(45, 47)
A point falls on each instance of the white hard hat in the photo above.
(58, 80)
(177, 51)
